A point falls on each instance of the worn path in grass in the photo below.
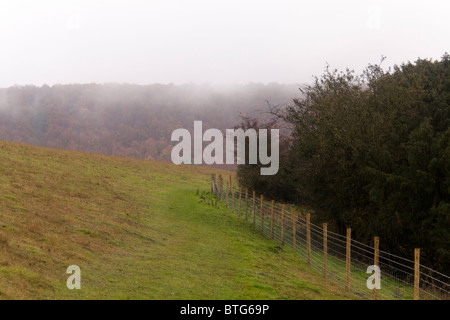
(137, 231)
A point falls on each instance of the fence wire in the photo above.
(294, 230)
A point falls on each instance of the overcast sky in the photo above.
(210, 41)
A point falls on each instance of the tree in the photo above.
(371, 151)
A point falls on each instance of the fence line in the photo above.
(339, 258)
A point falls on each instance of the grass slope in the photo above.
(137, 231)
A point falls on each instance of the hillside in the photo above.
(136, 229)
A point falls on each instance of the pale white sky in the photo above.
(210, 41)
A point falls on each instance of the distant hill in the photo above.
(124, 119)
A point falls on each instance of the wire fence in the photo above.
(339, 258)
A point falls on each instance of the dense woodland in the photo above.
(127, 120)
(371, 152)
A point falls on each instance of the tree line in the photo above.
(125, 119)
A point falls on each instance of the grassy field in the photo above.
(137, 230)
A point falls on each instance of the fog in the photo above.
(215, 42)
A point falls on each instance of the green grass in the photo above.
(137, 230)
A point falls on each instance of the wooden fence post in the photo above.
(271, 225)
(228, 191)
(223, 191)
(416, 273)
(262, 214)
(294, 222)
(347, 259)
(325, 249)
(246, 202)
(240, 196)
(233, 202)
(221, 188)
(308, 237)
(376, 253)
(254, 199)
(213, 183)
(218, 186)
(282, 224)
